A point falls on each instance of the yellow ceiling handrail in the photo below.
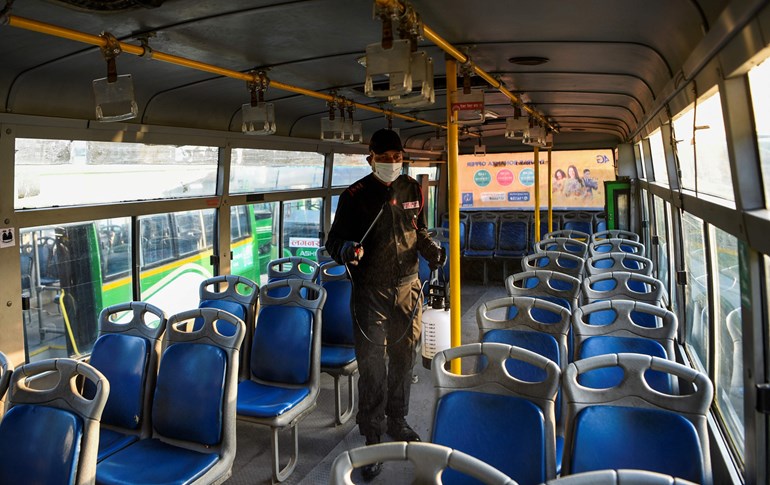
(441, 43)
(139, 50)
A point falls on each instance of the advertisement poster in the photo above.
(507, 180)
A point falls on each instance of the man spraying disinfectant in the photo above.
(378, 230)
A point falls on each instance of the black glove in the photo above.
(351, 253)
(440, 259)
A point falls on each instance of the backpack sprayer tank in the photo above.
(436, 335)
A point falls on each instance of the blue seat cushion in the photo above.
(265, 401)
(189, 393)
(151, 462)
(232, 307)
(111, 441)
(644, 439)
(612, 376)
(31, 436)
(337, 356)
(282, 345)
(123, 360)
(507, 432)
(337, 318)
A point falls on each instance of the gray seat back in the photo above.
(617, 285)
(47, 414)
(188, 344)
(454, 393)
(634, 393)
(237, 295)
(615, 245)
(429, 460)
(619, 477)
(530, 315)
(287, 268)
(617, 319)
(614, 234)
(567, 263)
(562, 244)
(551, 285)
(568, 233)
(618, 261)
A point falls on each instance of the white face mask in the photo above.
(387, 172)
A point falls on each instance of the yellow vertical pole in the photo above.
(550, 192)
(452, 149)
(537, 194)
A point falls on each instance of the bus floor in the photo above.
(320, 441)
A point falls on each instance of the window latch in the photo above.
(655, 240)
(763, 398)
(213, 260)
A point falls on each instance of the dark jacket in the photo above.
(390, 249)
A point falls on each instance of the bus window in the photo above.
(658, 158)
(348, 169)
(62, 278)
(155, 233)
(759, 81)
(251, 240)
(301, 227)
(661, 223)
(189, 232)
(175, 259)
(255, 170)
(49, 172)
(684, 146)
(713, 164)
(696, 290)
(728, 382)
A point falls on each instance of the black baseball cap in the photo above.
(384, 140)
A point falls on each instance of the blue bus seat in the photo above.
(558, 261)
(569, 234)
(464, 219)
(625, 318)
(193, 410)
(428, 460)
(482, 238)
(537, 325)
(624, 285)
(562, 244)
(285, 363)
(338, 354)
(290, 268)
(513, 237)
(614, 234)
(578, 221)
(632, 426)
(51, 434)
(322, 255)
(237, 295)
(615, 245)
(609, 262)
(553, 286)
(490, 414)
(127, 353)
(600, 222)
